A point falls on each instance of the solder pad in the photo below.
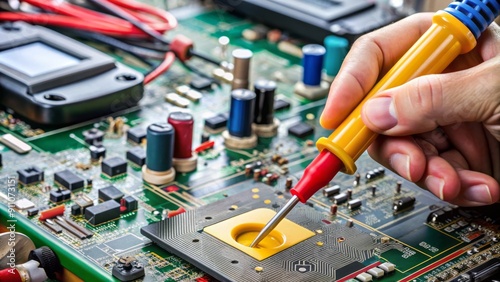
(318, 258)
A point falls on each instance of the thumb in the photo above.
(430, 101)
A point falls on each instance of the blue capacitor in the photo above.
(312, 63)
(160, 146)
(241, 113)
(336, 50)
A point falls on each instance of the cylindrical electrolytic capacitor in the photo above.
(336, 50)
(160, 147)
(312, 63)
(264, 102)
(241, 113)
(183, 126)
(241, 70)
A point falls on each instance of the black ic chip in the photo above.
(110, 193)
(280, 104)
(32, 211)
(137, 155)
(200, 83)
(103, 212)
(114, 166)
(216, 122)
(130, 203)
(136, 134)
(57, 196)
(30, 175)
(68, 180)
(301, 130)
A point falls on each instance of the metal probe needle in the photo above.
(275, 221)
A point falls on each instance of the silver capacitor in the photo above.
(241, 70)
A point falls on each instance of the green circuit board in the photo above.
(422, 249)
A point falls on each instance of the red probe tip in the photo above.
(317, 175)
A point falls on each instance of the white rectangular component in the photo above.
(364, 277)
(176, 100)
(376, 272)
(15, 143)
(387, 267)
(23, 204)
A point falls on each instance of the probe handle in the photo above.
(432, 53)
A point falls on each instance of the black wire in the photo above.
(161, 48)
(114, 10)
(199, 73)
(205, 58)
(138, 53)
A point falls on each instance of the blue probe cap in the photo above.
(477, 15)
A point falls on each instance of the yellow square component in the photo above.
(242, 229)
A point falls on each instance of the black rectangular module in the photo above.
(216, 122)
(130, 203)
(114, 166)
(103, 212)
(200, 83)
(32, 211)
(30, 175)
(69, 180)
(137, 155)
(280, 104)
(110, 193)
(301, 130)
(183, 235)
(136, 134)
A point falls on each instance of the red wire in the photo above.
(67, 15)
(163, 67)
(73, 16)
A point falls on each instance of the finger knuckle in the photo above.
(428, 97)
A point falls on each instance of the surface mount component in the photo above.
(208, 238)
(30, 175)
(103, 212)
(68, 180)
(52, 79)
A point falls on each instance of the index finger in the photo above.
(371, 55)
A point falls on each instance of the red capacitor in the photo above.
(183, 136)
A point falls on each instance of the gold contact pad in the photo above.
(239, 232)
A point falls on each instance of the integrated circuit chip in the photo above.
(110, 193)
(114, 166)
(103, 212)
(30, 175)
(301, 130)
(313, 258)
(68, 180)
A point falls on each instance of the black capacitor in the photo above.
(241, 113)
(354, 204)
(331, 191)
(340, 198)
(160, 146)
(403, 203)
(264, 102)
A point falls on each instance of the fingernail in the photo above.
(435, 185)
(478, 193)
(381, 113)
(401, 163)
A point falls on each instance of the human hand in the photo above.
(440, 131)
